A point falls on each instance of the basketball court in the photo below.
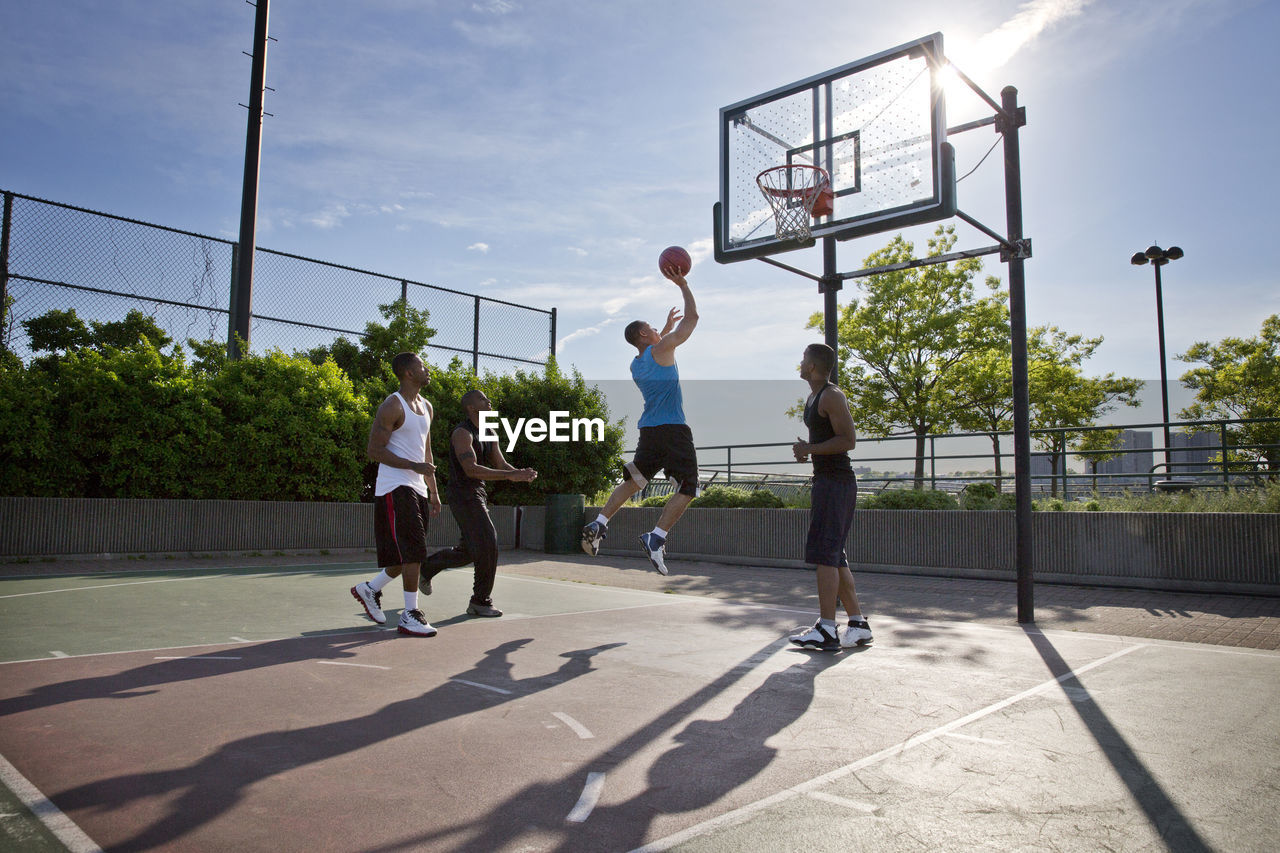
(240, 708)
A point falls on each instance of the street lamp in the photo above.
(1158, 257)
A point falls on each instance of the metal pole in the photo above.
(553, 332)
(4, 270)
(242, 288)
(1226, 469)
(829, 286)
(475, 340)
(1164, 381)
(1009, 122)
(404, 292)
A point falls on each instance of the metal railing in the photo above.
(57, 256)
(1216, 468)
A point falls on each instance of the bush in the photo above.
(909, 499)
(983, 496)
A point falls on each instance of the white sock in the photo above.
(857, 617)
(829, 625)
(380, 580)
(659, 532)
(601, 520)
(410, 600)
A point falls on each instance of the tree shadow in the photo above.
(1162, 812)
(215, 784)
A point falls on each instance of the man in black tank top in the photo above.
(472, 462)
(835, 494)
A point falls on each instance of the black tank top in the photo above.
(820, 429)
(459, 483)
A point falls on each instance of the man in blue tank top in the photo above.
(666, 443)
(835, 493)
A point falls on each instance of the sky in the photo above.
(546, 152)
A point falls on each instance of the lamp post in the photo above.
(1158, 257)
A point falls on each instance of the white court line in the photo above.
(110, 585)
(482, 686)
(578, 728)
(62, 827)
(197, 657)
(743, 812)
(239, 640)
(976, 739)
(348, 663)
(58, 654)
(590, 796)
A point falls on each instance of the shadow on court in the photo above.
(215, 785)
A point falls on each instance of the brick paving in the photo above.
(1247, 621)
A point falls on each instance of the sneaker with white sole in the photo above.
(592, 535)
(371, 600)
(817, 638)
(857, 634)
(655, 548)
(415, 624)
(483, 608)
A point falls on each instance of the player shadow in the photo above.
(217, 783)
(710, 759)
(147, 679)
(1161, 811)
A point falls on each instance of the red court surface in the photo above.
(595, 717)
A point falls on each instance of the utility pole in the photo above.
(242, 276)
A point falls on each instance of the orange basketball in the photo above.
(675, 256)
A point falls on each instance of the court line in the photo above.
(349, 663)
(197, 657)
(578, 728)
(111, 585)
(852, 805)
(741, 813)
(54, 820)
(590, 796)
(482, 686)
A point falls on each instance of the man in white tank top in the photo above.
(405, 494)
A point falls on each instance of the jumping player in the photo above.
(666, 442)
(835, 493)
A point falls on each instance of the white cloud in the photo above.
(585, 332)
(997, 47)
(582, 253)
(495, 7)
(483, 248)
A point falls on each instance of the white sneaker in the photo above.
(817, 638)
(371, 600)
(857, 634)
(415, 624)
(655, 548)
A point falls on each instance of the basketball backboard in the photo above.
(878, 126)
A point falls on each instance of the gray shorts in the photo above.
(831, 516)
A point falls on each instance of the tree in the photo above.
(1063, 399)
(984, 384)
(902, 345)
(1097, 446)
(1240, 380)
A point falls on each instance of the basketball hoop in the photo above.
(797, 193)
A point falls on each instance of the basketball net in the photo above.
(797, 193)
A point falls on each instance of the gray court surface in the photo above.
(246, 704)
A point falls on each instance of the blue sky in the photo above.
(545, 152)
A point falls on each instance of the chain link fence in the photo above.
(56, 256)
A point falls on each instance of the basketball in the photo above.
(674, 256)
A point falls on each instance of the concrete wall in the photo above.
(1226, 552)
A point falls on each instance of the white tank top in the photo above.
(407, 442)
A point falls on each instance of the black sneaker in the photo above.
(592, 535)
(817, 638)
(483, 608)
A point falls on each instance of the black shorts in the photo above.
(400, 526)
(830, 518)
(666, 447)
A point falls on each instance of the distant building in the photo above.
(1194, 452)
(1137, 457)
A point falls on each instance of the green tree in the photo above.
(902, 344)
(1240, 380)
(1097, 446)
(984, 384)
(1063, 399)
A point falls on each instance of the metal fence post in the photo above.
(728, 464)
(553, 332)
(475, 341)
(404, 292)
(1226, 469)
(4, 270)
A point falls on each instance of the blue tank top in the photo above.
(660, 386)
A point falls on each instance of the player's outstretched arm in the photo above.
(688, 322)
